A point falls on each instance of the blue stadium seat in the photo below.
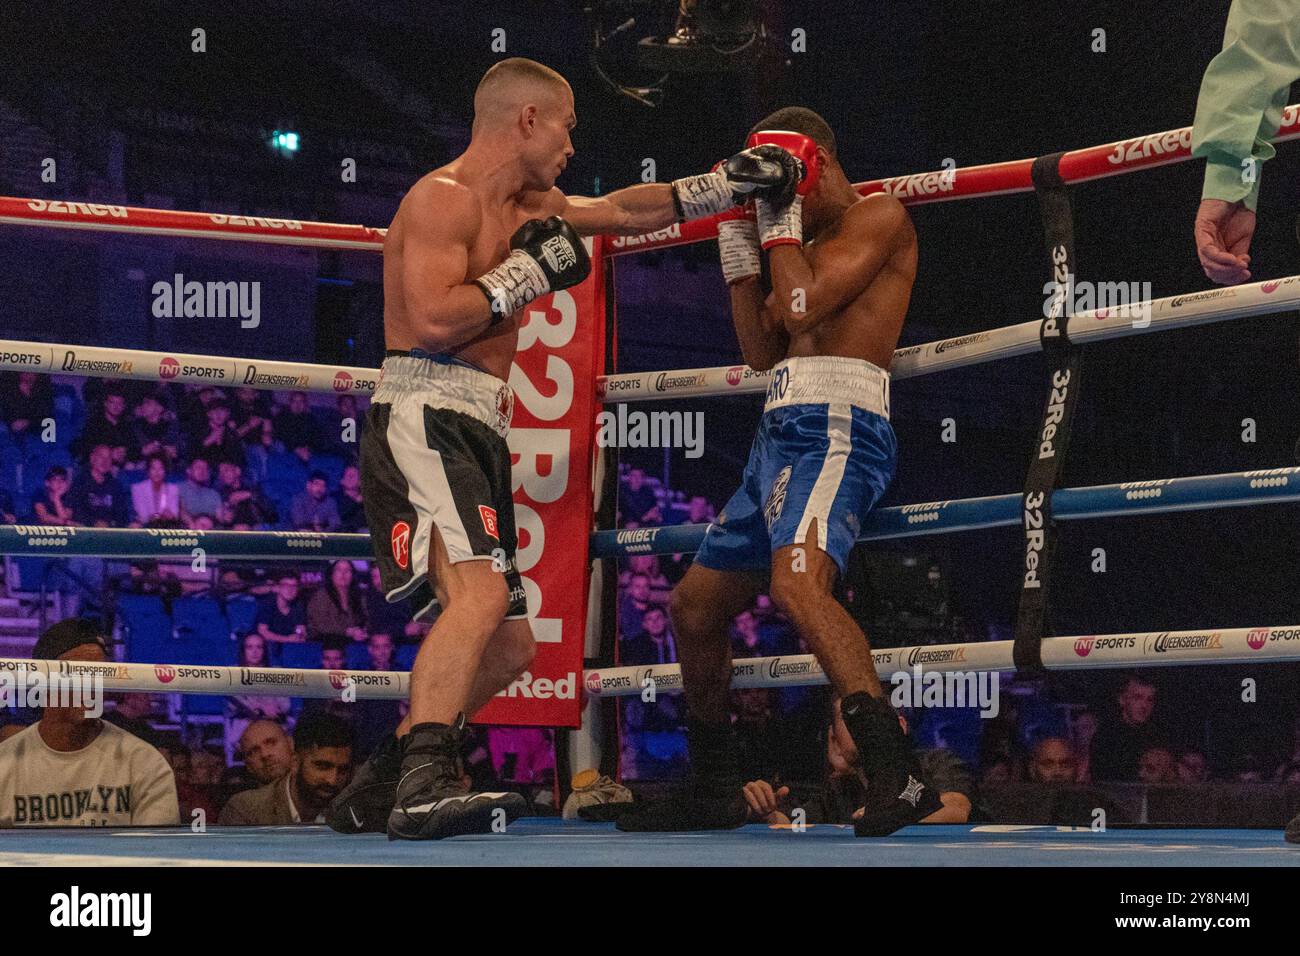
(30, 573)
(201, 705)
(149, 638)
(200, 617)
(304, 656)
(189, 650)
(356, 656)
(241, 613)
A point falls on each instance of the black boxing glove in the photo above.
(547, 256)
(768, 171)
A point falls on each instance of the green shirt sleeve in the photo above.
(1243, 93)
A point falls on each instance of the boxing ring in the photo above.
(549, 842)
(1060, 336)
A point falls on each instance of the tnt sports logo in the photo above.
(1086, 645)
(168, 368)
(593, 683)
(339, 680)
(1083, 646)
(489, 518)
(1257, 638)
(165, 673)
(776, 497)
(735, 374)
(401, 538)
(342, 381)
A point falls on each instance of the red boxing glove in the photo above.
(798, 145)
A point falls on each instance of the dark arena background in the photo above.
(329, 112)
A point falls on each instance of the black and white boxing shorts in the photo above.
(434, 455)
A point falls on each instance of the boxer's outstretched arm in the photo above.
(626, 212)
(444, 309)
(763, 340)
(870, 233)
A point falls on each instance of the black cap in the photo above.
(62, 637)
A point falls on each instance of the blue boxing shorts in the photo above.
(824, 452)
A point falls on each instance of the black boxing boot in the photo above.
(715, 799)
(897, 794)
(364, 804)
(432, 802)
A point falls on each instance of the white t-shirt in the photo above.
(117, 780)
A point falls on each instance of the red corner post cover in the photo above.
(561, 351)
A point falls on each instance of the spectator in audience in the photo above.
(192, 407)
(132, 713)
(313, 509)
(1082, 730)
(380, 648)
(154, 429)
(348, 501)
(842, 793)
(332, 658)
(72, 769)
(297, 429)
(648, 564)
(1120, 742)
(335, 612)
(249, 412)
(28, 402)
(217, 440)
(1193, 767)
(240, 711)
(196, 497)
(1053, 761)
(698, 511)
(654, 645)
(54, 507)
(267, 751)
(637, 500)
(96, 497)
(1156, 766)
(632, 605)
(8, 514)
(242, 508)
(394, 618)
(283, 619)
(746, 639)
(322, 766)
(155, 499)
(110, 428)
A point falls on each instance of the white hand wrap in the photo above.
(705, 195)
(513, 284)
(738, 248)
